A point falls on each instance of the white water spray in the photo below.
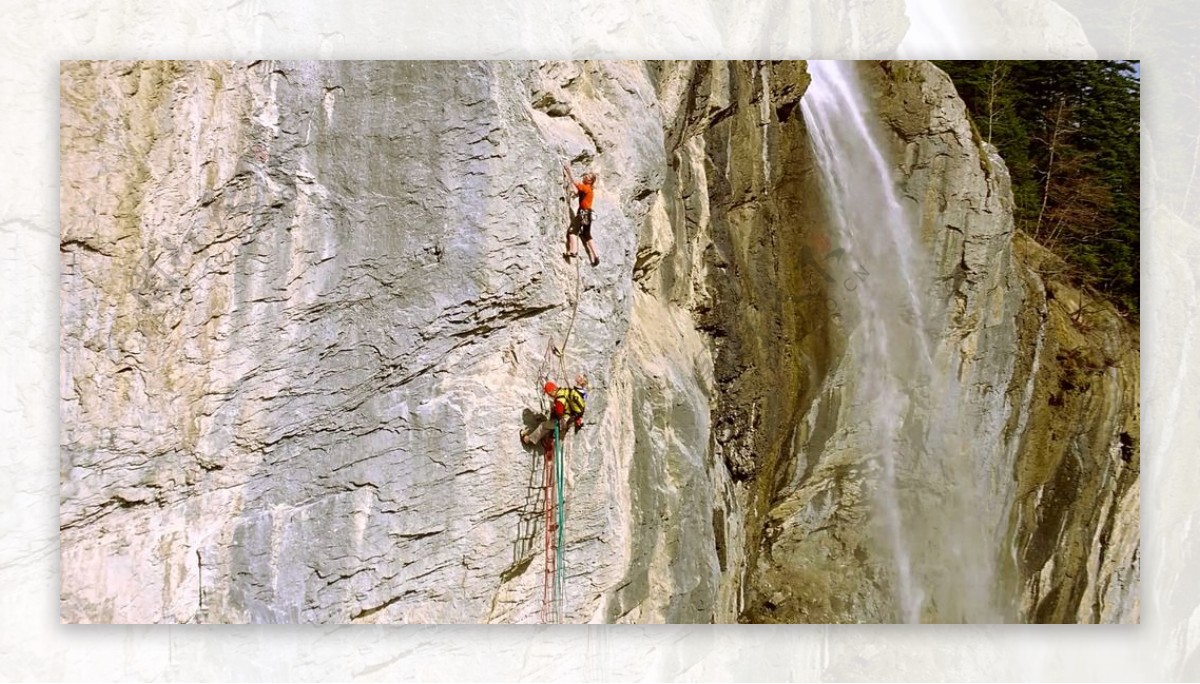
(904, 411)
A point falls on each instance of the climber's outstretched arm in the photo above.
(567, 173)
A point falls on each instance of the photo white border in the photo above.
(34, 646)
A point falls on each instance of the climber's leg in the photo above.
(585, 234)
(572, 231)
(539, 433)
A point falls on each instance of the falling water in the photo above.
(905, 411)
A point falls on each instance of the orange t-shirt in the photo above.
(585, 195)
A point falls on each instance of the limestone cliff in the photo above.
(305, 306)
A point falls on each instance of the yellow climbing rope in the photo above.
(561, 351)
(562, 357)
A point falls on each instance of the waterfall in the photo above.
(904, 409)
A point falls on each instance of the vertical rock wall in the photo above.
(307, 408)
(1075, 521)
(304, 307)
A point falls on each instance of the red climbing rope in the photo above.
(549, 612)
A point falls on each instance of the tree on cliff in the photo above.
(1069, 132)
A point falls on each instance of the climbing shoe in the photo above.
(568, 256)
(596, 261)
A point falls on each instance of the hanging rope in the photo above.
(562, 512)
(554, 584)
(560, 351)
(549, 614)
(538, 379)
(562, 357)
(575, 308)
(560, 463)
(560, 545)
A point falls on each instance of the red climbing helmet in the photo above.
(550, 388)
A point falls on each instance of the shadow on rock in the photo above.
(534, 506)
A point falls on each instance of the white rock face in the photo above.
(304, 308)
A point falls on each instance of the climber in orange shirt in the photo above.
(581, 223)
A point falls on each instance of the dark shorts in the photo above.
(582, 225)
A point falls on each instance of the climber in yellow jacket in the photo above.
(568, 409)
